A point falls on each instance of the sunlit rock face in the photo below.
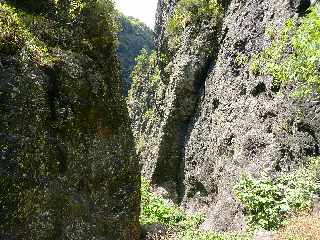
(215, 119)
(68, 168)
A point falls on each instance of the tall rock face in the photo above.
(68, 167)
(214, 119)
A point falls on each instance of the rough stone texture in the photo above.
(164, 11)
(242, 124)
(263, 235)
(153, 231)
(68, 169)
(217, 120)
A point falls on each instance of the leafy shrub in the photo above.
(294, 55)
(155, 210)
(181, 226)
(268, 202)
(192, 11)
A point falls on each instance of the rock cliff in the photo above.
(68, 168)
(212, 118)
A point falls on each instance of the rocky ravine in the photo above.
(214, 119)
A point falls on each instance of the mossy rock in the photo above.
(68, 168)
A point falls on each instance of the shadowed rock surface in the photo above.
(216, 120)
(68, 168)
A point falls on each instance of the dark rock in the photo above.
(303, 6)
(68, 169)
(153, 231)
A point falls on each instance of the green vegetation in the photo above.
(15, 36)
(83, 26)
(133, 37)
(155, 209)
(269, 202)
(192, 11)
(294, 55)
(181, 226)
(241, 59)
(147, 69)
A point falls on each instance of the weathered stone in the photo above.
(217, 120)
(153, 231)
(68, 168)
(316, 205)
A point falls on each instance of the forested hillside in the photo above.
(133, 37)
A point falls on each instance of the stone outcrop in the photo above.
(68, 167)
(217, 120)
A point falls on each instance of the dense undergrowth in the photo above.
(294, 55)
(270, 202)
(180, 226)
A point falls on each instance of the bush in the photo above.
(155, 210)
(269, 202)
(294, 55)
(192, 11)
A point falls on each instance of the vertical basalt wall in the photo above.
(68, 168)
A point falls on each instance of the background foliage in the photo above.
(133, 37)
(193, 12)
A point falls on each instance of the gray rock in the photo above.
(153, 231)
(316, 205)
(216, 120)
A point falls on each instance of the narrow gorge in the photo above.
(204, 115)
(210, 131)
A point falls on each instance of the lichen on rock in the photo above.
(68, 167)
(216, 118)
